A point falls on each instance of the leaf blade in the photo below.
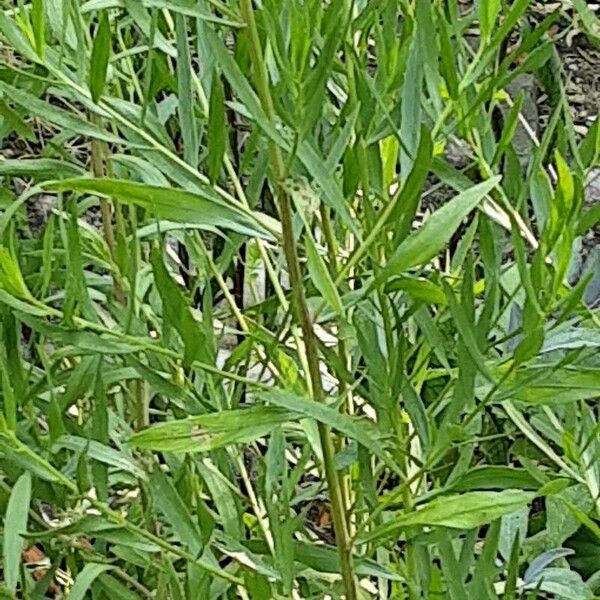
(426, 242)
(99, 58)
(15, 523)
(459, 511)
(203, 207)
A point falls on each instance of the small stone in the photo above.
(592, 186)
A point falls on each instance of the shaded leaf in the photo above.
(102, 453)
(48, 112)
(171, 505)
(217, 128)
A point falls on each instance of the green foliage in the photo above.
(252, 304)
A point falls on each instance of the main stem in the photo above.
(340, 518)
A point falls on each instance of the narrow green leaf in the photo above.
(430, 51)
(591, 22)
(420, 289)
(466, 329)
(226, 504)
(176, 313)
(10, 398)
(417, 412)
(342, 141)
(16, 37)
(307, 154)
(192, 9)
(410, 194)
(325, 559)
(15, 523)
(202, 208)
(48, 112)
(511, 17)
(241, 86)
(495, 477)
(314, 84)
(100, 56)
(85, 578)
(142, 19)
(217, 129)
(452, 572)
(566, 186)
(11, 278)
(102, 453)
(332, 193)
(13, 121)
(510, 127)
(488, 12)
(24, 456)
(448, 66)
(185, 93)
(539, 386)
(85, 341)
(38, 24)
(39, 168)
(321, 277)
(589, 148)
(529, 346)
(361, 430)
(410, 127)
(215, 430)
(77, 298)
(173, 508)
(461, 511)
(589, 220)
(430, 239)
(485, 571)
(521, 422)
(114, 589)
(582, 517)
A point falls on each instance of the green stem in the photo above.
(344, 389)
(98, 170)
(339, 513)
(411, 550)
